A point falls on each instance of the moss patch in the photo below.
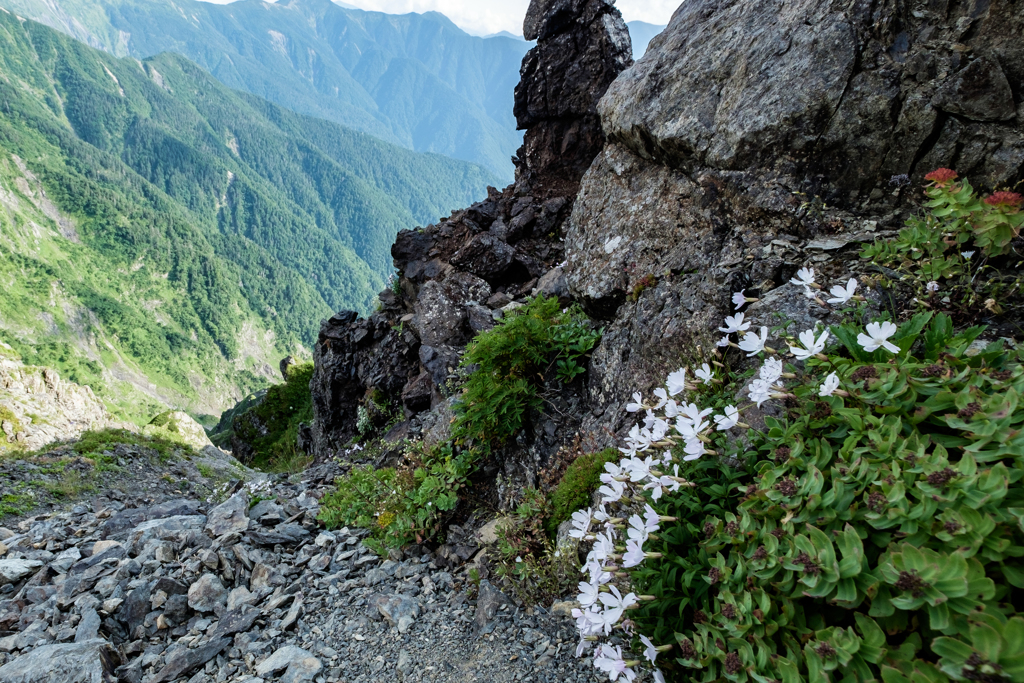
(579, 482)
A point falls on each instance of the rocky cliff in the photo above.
(752, 140)
(457, 277)
(749, 141)
(37, 407)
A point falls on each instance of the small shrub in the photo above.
(533, 569)
(512, 360)
(579, 482)
(361, 497)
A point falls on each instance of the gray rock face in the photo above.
(45, 407)
(734, 110)
(457, 275)
(814, 87)
(90, 661)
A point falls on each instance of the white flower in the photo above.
(612, 491)
(598, 576)
(932, 286)
(760, 391)
(610, 661)
(588, 593)
(729, 420)
(878, 337)
(830, 384)
(812, 346)
(842, 294)
(771, 370)
(518, 559)
(694, 448)
(638, 469)
(734, 323)
(658, 676)
(723, 342)
(612, 244)
(676, 382)
(606, 620)
(615, 599)
(704, 374)
(650, 652)
(739, 298)
(636, 405)
(581, 521)
(634, 554)
(603, 547)
(651, 518)
(804, 277)
(662, 398)
(967, 254)
(640, 528)
(754, 344)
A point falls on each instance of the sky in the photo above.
(483, 17)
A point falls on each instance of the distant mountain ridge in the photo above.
(415, 79)
(160, 230)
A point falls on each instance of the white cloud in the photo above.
(483, 17)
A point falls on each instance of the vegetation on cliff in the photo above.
(865, 523)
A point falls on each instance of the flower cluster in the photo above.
(649, 465)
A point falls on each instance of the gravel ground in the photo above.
(165, 588)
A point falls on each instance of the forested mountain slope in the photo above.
(414, 79)
(163, 230)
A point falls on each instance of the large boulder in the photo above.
(854, 94)
(175, 425)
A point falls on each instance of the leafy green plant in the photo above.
(271, 426)
(361, 497)
(946, 252)
(512, 361)
(880, 530)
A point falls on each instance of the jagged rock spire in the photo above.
(582, 45)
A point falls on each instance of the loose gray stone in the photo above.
(89, 627)
(12, 571)
(207, 593)
(90, 661)
(230, 516)
(282, 659)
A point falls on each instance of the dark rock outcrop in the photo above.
(456, 277)
(582, 45)
(753, 139)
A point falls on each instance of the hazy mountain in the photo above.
(414, 79)
(641, 32)
(161, 230)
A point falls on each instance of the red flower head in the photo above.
(1004, 200)
(941, 176)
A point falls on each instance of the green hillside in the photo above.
(412, 79)
(166, 239)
